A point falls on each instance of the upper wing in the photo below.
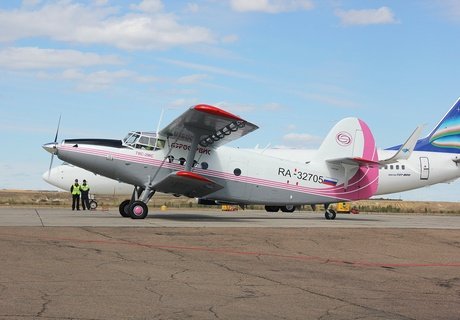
(213, 126)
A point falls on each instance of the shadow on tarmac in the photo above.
(217, 218)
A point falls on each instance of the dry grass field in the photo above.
(63, 199)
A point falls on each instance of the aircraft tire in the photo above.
(92, 204)
(272, 208)
(330, 214)
(288, 208)
(138, 210)
(124, 209)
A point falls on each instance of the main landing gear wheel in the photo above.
(138, 210)
(288, 208)
(272, 208)
(124, 208)
(330, 214)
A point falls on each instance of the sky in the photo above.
(293, 67)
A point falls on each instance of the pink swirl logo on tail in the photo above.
(343, 138)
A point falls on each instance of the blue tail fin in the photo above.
(445, 137)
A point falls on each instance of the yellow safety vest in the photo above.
(76, 190)
(84, 188)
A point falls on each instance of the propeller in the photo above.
(54, 146)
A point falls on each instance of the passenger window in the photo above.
(391, 167)
(403, 167)
(397, 167)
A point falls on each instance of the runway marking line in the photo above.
(258, 253)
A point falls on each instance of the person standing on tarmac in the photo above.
(75, 191)
(84, 189)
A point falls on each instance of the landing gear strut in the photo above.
(136, 207)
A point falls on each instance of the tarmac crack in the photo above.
(213, 312)
(45, 304)
(38, 214)
(160, 295)
(384, 313)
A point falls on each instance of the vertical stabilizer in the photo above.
(350, 146)
(445, 137)
(349, 138)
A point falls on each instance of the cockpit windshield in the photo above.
(144, 140)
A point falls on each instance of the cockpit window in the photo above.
(131, 138)
(144, 140)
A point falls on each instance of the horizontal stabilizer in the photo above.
(188, 184)
(357, 161)
(406, 149)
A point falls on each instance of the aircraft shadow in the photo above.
(217, 218)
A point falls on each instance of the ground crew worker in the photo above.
(84, 189)
(75, 191)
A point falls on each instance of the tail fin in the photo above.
(350, 146)
(349, 138)
(445, 137)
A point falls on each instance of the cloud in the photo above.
(382, 15)
(193, 78)
(230, 38)
(37, 58)
(270, 6)
(193, 7)
(210, 69)
(299, 140)
(95, 81)
(148, 6)
(100, 24)
(450, 9)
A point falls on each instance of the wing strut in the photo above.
(191, 154)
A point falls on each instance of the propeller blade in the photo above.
(57, 130)
(51, 164)
(55, 140)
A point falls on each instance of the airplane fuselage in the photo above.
(422, 169)
(269, 177)
(247, 177)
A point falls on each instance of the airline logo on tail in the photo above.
(445, 137)
(447, 133)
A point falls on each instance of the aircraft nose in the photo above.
(50, 147)
(46, 176)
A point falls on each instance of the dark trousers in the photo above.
(75, 200)
(85, 203)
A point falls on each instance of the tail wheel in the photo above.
(124, 208)
(330, 214)
(138, 210)
(288, 208)
(92, 204)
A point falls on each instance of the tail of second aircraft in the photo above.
(445, 137)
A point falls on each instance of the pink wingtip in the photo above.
(216, 111)
(191, 175)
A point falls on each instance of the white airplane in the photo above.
(187, 158)
(64, 175)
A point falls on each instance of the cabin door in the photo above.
(424, 168)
